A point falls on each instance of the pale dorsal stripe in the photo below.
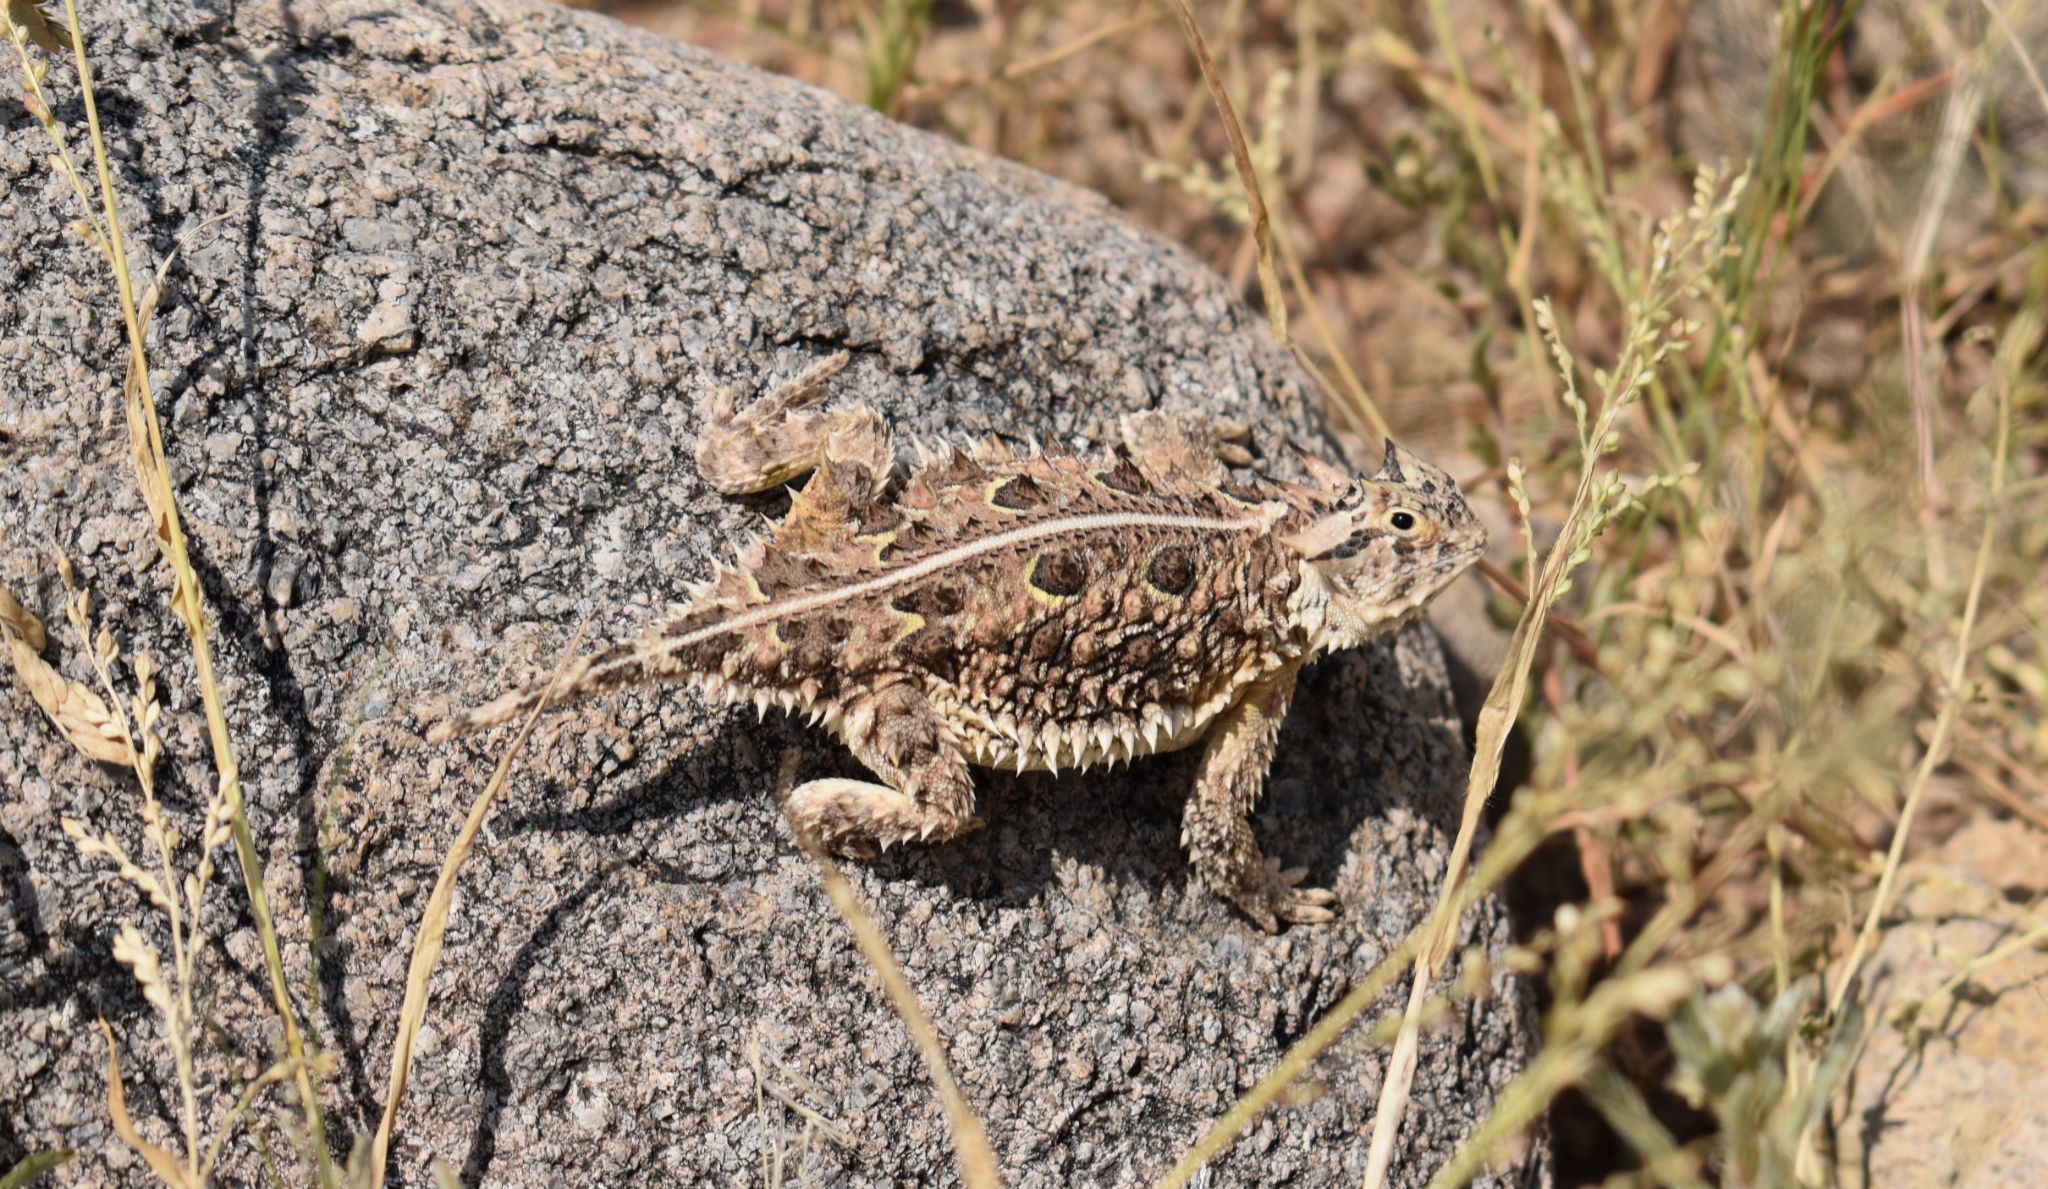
(951, 557)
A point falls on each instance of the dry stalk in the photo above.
(426, 948)
(2020, 341)
(1687, 241)
(1240, 151)
(76, 712)
(978, 1167)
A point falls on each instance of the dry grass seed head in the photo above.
(79, 714)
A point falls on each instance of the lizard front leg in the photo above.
(1214, 828)
(926, 792)
(780, 437)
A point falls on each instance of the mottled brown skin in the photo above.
(1034, 610)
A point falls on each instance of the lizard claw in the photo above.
(1278, 898)
(853, 846)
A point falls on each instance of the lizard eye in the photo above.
(1402, 520)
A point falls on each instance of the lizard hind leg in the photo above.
(781, 436)
(925, 794)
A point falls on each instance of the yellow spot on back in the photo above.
(882, 541)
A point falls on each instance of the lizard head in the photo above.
(1383, 547)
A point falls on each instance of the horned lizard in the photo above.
(1033, 610)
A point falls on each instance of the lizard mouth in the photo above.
(1459, 561)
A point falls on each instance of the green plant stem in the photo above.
(34, 1165)
(1571, 1052)
(1467, 109)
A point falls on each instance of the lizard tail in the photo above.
(608, 669)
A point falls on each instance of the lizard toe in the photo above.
(1278, 900)
(1287, 900)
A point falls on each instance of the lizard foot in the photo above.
(1278, 898)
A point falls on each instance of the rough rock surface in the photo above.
(1949, 1087)
(430, 391)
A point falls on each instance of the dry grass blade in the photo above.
(186, 601)
(1690, 242)
(79, 714)
(1240, 151)
(2020, 341)
(276, 1074)
(1574, 637)
(426, 949)
(766, 1088)
(1290, 1067)
(160, 1162)
(1354, 397)
(1467, 106)
(2019, 51)
(22, 622)
(1496, 720)
(1397, 1083)
(1959, 118)
(970, 1141)
(1509, 848)
(1025, 66)
(1611, 1005)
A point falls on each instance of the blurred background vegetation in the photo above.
(1780, 774)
